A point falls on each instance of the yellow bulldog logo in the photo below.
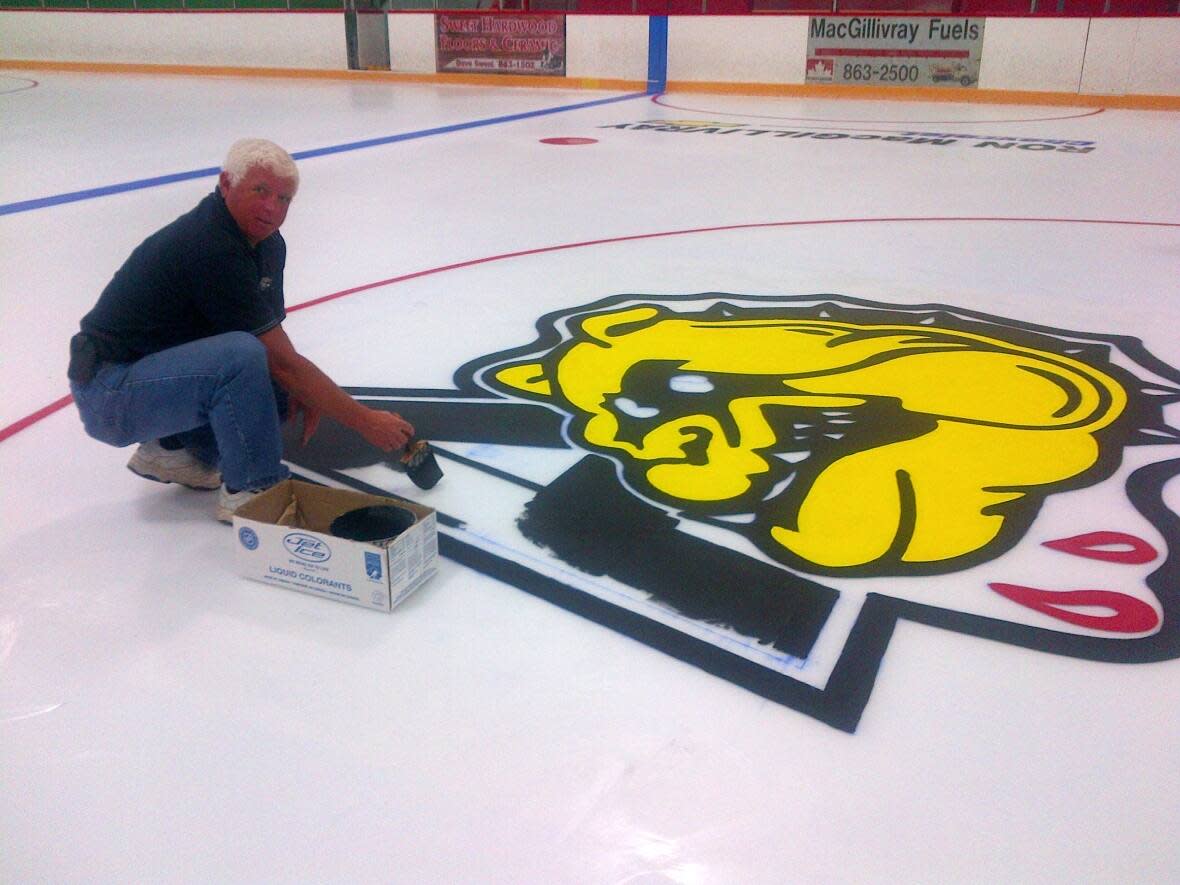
(836, 446)
(764, 486)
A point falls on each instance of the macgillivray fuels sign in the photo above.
(894, 51)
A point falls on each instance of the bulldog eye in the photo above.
(633, 409)
(690, 384)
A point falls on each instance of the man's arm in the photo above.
(305, 382)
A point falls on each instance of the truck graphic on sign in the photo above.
(941, 72)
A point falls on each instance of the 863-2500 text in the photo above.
(882, 73)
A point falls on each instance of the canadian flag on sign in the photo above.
(819, 69)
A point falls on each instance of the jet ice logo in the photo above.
(307, 547)
(373, 566)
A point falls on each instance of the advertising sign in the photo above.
(468, 42)
(894, 51)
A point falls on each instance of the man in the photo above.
(185, 351)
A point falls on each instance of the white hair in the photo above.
(247, 153)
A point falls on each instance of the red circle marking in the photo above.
(46, 411)
(569, 141)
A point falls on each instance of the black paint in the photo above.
(589, 521)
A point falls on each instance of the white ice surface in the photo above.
(162, 719)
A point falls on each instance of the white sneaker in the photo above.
(228, 502)
(153, 461)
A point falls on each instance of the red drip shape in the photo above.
(1128, 614)
(1135, 551)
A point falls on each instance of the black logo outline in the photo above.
(467, 412)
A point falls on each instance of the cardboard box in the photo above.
(282, 538)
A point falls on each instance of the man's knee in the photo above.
(241, 351)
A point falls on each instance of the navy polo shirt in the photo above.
(192, 279)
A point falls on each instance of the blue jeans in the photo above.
(214, 396)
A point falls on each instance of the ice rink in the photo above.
(553, 707)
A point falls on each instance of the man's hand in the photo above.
(311, 418)
(386, 430)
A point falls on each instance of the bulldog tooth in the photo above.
(793, 457)
(778, 488)
(740, 518)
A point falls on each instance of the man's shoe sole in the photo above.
(207, 488)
